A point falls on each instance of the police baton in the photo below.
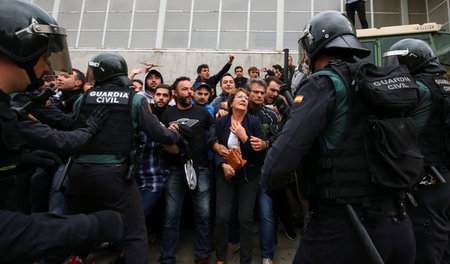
(285, 89)
(367, 243)
(59, 185)
(437, 174)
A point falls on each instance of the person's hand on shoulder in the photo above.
(221, 112)
(221, 150)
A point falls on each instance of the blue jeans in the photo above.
(266, 225)
(176, 188)
(149, 200)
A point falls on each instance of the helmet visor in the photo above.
(58, 56)
(306, 39)
(90, 73)
(301, 54)
(433, 66)
(391, 57)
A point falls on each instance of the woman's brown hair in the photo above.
(233, 93)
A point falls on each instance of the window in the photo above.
(211, 24)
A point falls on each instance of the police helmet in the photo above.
(105, 66)
(332, 33)
(416, 54)
(26, 32)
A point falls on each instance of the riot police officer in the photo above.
(431, 214)
(31, 42)
(334, 135)
(101, 176)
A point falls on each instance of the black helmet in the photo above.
(416, 54)
(105, 66)
(26, 32)
(333, 33)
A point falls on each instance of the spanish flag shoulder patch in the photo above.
(298, 99)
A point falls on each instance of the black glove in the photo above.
(40, 158)
(110, 226)
(281, 106)
(97, 118)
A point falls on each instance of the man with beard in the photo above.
(152, 174)
(202, 91)
(152, 79)
(192, 121)
(163, 94)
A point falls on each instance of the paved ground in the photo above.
(284, 252)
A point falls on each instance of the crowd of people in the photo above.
(103, 156)
(209, 130)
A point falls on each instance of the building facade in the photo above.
(181, 34)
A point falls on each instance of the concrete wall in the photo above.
(183, 63)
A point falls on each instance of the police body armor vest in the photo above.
(117, 133)
(353, 172)
(10, 142)
(435, 136)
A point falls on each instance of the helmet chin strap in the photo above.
(312, 63)
(35, 82)
(29, 68)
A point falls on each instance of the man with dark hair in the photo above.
(163, 95)
(253, 72)
(278, 71)
(220, 102)
(192, 121)
(137, 85)
(274, 99)
(291, 68)
(204, 75)
(240, 80)
(70, 87)
(152, 79)
(153, 171)
(202, 91)
(270, 125)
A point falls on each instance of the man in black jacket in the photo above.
(329, 138)
(192, 121)
(103, 172)
(431, 215)
(204, 76)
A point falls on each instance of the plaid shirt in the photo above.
(152, 173)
